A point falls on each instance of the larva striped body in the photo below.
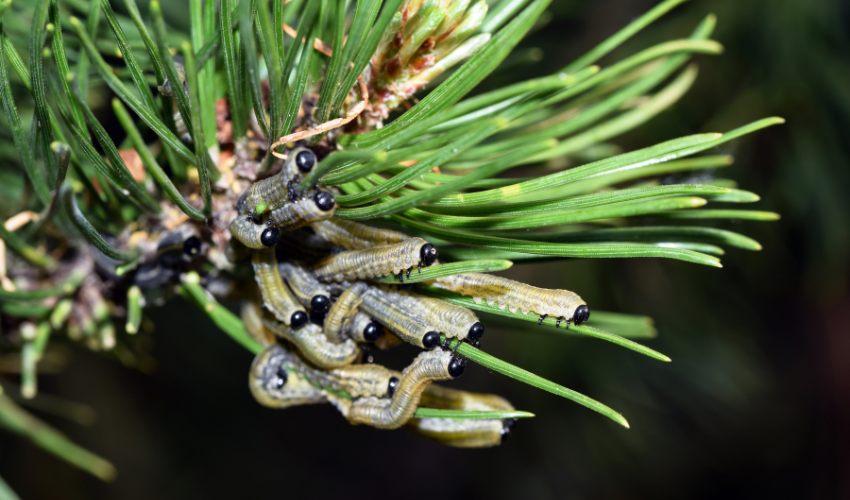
(377, 261)
(392, 413)
(343, 310)
(307, 289)
(253, 235)
(517, 296)
(277, 297)
(316, 206)
(355, 236)
(399, 319)
(315, 347)
(279, 189)
(454, 321)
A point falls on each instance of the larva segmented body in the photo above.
(343, 310)
(454, 321)
(399, 319)
(307, 289)
(279, 189)
(355, 236)
(377, 261)
(394, 412)
(315, 347)
(276, 295)
(517, 296)
(317, 206)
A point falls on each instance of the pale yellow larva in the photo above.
(377, 261)
(514, 295)
(355, 236)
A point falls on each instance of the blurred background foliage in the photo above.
(755, 404)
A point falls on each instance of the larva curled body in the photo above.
(513, 295)
(377, 261)
(392, 413)
(355, 236)
(277, 297)
(314, 345)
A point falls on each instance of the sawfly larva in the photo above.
(343, 310)
(309, 291)
(276, 295)
(253, 235)
(275, 382)
(514, 295)
(463, 433)
(399, 319)
(321, 205)
(275, 191)
(377, 261)
(363, 329)
(355, 381)
(454, 321)
(392, 413)
(355, 236)
(315, 346)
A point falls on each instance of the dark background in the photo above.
(754, 405)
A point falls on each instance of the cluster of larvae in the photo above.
(322, 314)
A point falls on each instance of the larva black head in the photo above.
(320, 304)
(430, 340)
(392, 386)
(507, 426)
(298, 319)
(428, 254)
(581, 315)
(270, 236)
(280, 378)
(192, 246)
(372, 331)
(476, 331)
(456, 366)
(305, 160)
(324, 200)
